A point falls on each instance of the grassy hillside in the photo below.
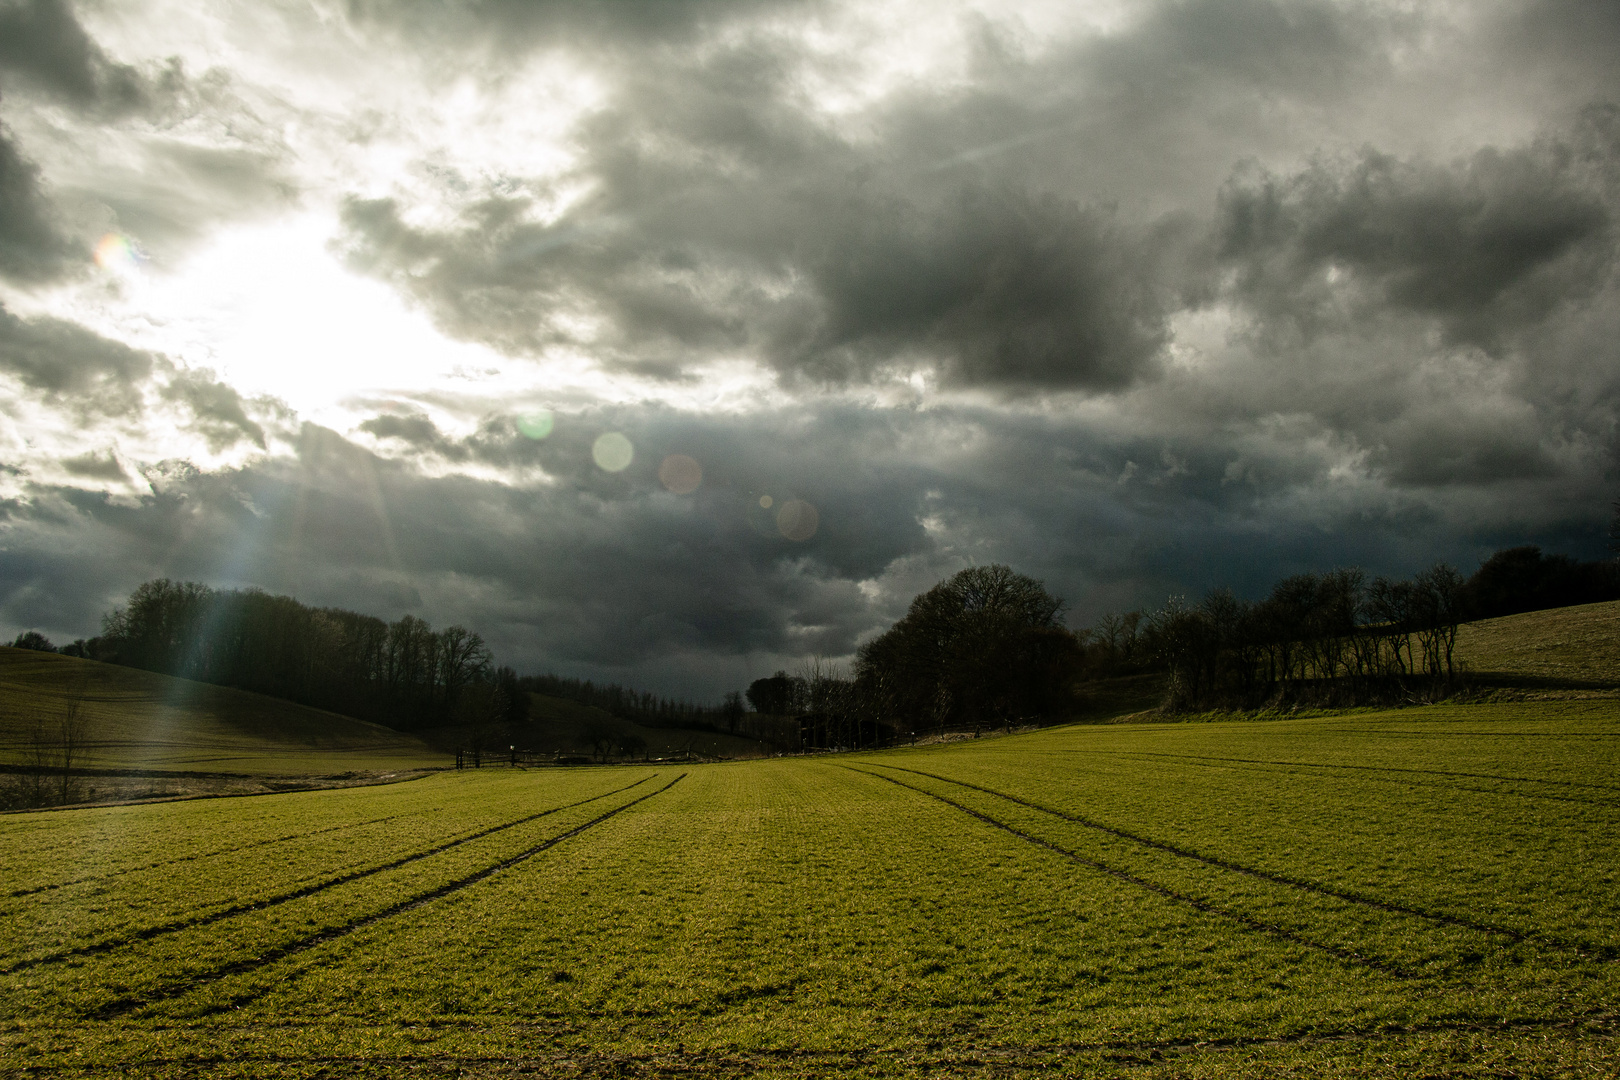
(1571, 646)
(1423, 892)
(141, 720)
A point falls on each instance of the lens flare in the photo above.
(797, 520)
(612, 452)
(116, 254)
(537, 424)
(680, 474)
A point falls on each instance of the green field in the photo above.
(1427, 892)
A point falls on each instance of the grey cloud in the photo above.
(969, 233)
(43, 45)
(1181, 47)
(1003, 289)
(192, 148)
(71, 365)
(1576, 42)
(1444, 455)
(1485, 246)
(96, 466)
(509, 25)
(211, 162)
(32, 246)
(808, 270)
(415, 429)
(73, 368)
(218, 412)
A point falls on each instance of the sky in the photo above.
(673, 343)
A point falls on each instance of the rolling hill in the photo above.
(1572, 647)
(139, 721)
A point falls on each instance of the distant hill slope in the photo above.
(141, 720)
(564, 724)
(1572, 646)
(560, 726)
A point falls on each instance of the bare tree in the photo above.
(71, 730)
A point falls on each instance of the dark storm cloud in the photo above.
(1485, 246)
(994, 288)
(580, 571)
(43, 46)
(71, 366)
(729, 218)
(32, 246)
(613, 575)
(970, 232)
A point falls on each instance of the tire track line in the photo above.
(122, 1006)
(1212, 860)
(1580, 948)
(177, 925)
(993, 1059)
(193, 858)
(1385, 967)
(1407, 782)
(1399, 769)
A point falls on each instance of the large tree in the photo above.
(985, 647)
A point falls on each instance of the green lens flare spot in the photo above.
(536, 425)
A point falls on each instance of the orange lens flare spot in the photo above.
(680, 474)
(797, 520)
(115, 252)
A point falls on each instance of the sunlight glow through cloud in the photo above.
(272, 311)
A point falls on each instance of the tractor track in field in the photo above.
(34, 889)
(177, 925)
(1255, 872)
(1411, 783)
(122, 1006)
(1400, 769)
(995, 1058)
(1385, 967)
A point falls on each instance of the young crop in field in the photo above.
(1380, 894)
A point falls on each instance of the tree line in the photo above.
(1330, 638)
(984, 648)
(627, 703)
(403, 674)
(987, 647)
(1335, 637)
